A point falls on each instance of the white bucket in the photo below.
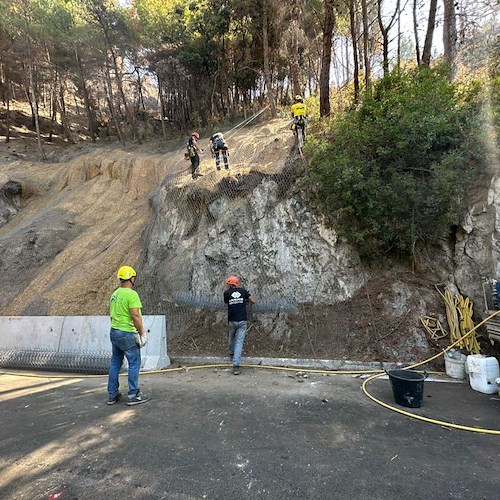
(455, 368)
(483, 372)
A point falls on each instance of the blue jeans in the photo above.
(124, 344)
(237, 332)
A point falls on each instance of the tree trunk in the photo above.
(347, 61)
(35, 111)
(415, 31)
(128, 114)
(426, 55)
(7, 104)
(398, 61)
(7, 118)
(66, 127)
(326, 59)
(267, 71)
(119, 82)
(109, 92)
(53, 104)
(354, 38)
(86, 100)
(294, 53)
(366, 38)
(212, 94)
(140, 96)
(162, 108)
(385, 39)
(27, 92)
(450, 35)
(384, 30)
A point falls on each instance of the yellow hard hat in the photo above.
(125, 273)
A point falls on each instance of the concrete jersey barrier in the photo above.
(79, 335)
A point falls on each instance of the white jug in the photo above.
(482, 372)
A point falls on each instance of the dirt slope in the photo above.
(81, 219)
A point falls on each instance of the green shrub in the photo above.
(394, 173)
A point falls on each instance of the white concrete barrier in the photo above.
(80, 335)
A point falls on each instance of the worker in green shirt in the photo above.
(127, 337)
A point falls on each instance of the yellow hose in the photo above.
(459, 316)
(376, 374)
(200, 367)
(419, 417)
(425, 419)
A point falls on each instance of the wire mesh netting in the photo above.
(224, 212)
(87, 362)
(183, 235)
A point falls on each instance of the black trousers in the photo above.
(195, 163)
(217, 153)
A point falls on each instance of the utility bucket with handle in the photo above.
(407, 387)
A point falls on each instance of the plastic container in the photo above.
(407, 387)
(483, 371)
(455, 368)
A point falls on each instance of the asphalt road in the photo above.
(208, 434)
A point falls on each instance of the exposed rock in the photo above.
(279, 247)
(10, 200)
(25, 251)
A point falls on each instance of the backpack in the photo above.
(218, 142)
(191, 152)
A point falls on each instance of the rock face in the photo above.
(261, 229)
(10, 200)
(476, 254)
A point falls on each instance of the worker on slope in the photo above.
(218, 145)
(127, 336)
(236, 299)
(299, 114)
(193, 151)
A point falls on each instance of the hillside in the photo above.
(78, 218)
(96, 207)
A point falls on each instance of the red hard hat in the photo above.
(233, 280)
(196, 135)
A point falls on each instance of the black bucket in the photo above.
(407, 387)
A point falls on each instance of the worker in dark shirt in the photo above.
(236, 299)
(193, 152)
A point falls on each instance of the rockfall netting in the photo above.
(85, 218)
